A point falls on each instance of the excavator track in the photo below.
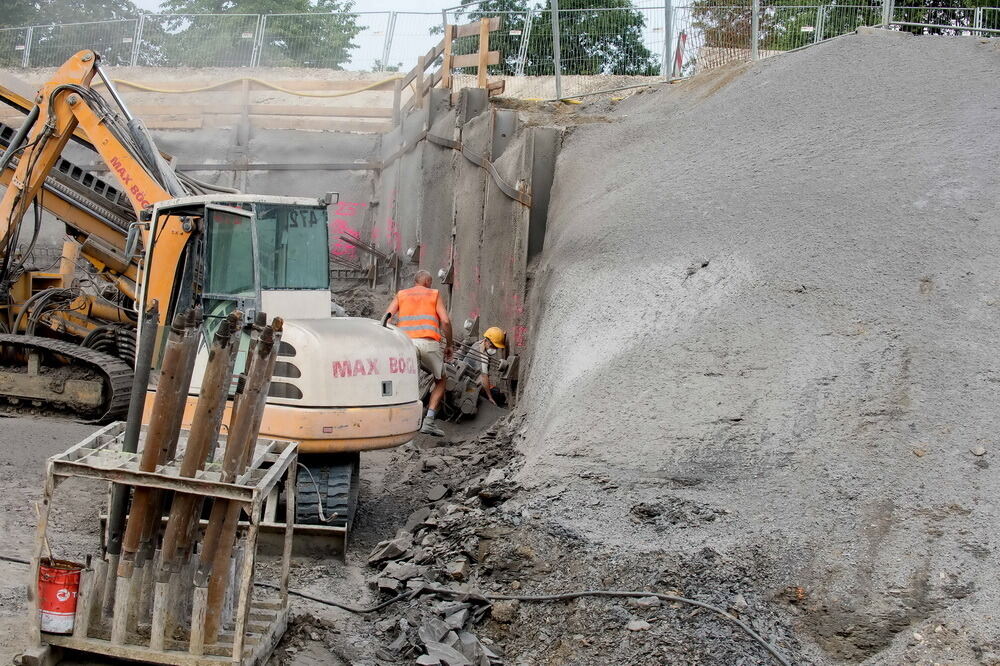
(54, 375)
(334, 479)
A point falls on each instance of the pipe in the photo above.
(22, 133)
(161, 435)
(220, 536)
(112, 90)
(204, 432)
(130, 444)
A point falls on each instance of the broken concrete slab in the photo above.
(458, 570)
(433, 630)
(447, 655)
(437, 492)
(417, 519)
(391, 549)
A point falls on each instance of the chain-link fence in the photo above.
(544, 52)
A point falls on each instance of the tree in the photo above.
(321, 38)
(721, 30)
(595, 37)
(107, 27)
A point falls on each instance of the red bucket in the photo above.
(58, 586)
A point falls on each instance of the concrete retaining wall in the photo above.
(470, 235)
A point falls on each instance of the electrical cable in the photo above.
(272, 86)
(563, 596)
(15, 560)
(778, 656)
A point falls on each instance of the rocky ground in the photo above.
(452, 526)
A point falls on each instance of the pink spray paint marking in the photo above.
(340, 225)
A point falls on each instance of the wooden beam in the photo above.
(418, 87)
(446, 66)
(484, 52)
(299, 85)
(397, 95)
(496, 87)
(470, 29)
(321, 124)
(144, 112)
(429, 59)
(472, 59)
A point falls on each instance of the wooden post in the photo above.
(484, 51)
(286, 555)
(158, 629)
(34, 619)
(84, 603)
(418, 83)
(397, 94)
(198, 609)
(246, 583)
(449, 38)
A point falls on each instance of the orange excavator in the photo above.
(150, 235)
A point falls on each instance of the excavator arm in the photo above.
(106, 236)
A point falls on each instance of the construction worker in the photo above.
(493, 342)
(422, 316)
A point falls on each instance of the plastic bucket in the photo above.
(58, 586)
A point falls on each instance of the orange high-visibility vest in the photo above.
(418, 312)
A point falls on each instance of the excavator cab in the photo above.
(341, 385)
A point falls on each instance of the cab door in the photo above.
(232, 281)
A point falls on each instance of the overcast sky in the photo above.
(363, 5)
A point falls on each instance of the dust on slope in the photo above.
(776, 303)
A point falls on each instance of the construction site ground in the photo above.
(763, 375)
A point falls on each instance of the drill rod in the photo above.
(130, 443)
(204, 431)
(213, 569)
(170, 397)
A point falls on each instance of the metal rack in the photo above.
(159, 622)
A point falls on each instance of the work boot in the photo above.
(428, 428)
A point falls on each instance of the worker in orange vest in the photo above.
(422, 316)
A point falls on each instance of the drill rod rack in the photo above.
(153, 609)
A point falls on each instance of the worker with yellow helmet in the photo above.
(492, 344)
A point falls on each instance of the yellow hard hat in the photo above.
(496, 336)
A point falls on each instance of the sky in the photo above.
(362, 5)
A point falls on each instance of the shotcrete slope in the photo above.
(770, 296)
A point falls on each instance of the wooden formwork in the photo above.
(160, 622)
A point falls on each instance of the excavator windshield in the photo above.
(293, 248)
(250, 247)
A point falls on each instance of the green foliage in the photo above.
(322, 38)
(788, 24)
(51, 45)
(595, 37)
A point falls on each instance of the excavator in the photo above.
(153, 235)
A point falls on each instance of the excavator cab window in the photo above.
(292, 243)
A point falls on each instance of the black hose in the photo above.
(780, 658)
(22, 133)
(563, 596)
(15, 560)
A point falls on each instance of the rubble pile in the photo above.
(433, 554)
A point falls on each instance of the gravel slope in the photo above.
(767, 308)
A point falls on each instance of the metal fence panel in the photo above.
(839, 20)
(52, 45)
(710, 36)
(414, 35)
(334, 41)
(198, 40)
(13, 45)
(990, 20)
(783, 28)
(943, 16)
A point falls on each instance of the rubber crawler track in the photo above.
(116, 373)
(337, 478)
